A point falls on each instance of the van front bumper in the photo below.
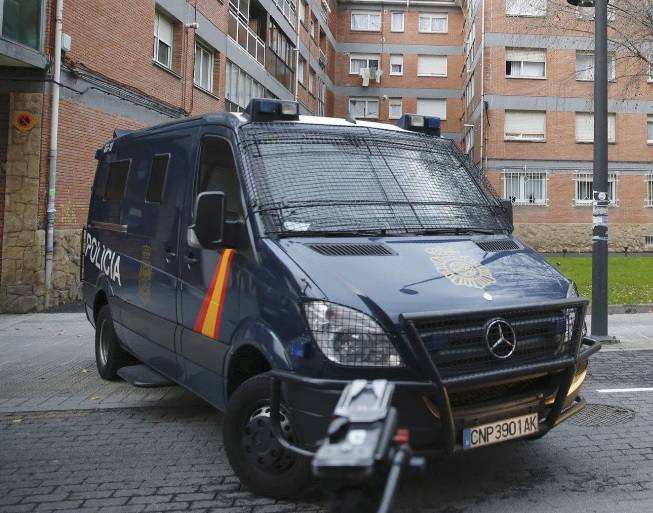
(426, 407)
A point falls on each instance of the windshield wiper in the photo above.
(455, 231)
(330, 233)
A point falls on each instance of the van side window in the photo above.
(218, 173)
(157, 178)
(114, 189)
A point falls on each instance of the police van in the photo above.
(263, 260)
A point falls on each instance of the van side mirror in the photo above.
(209, 219)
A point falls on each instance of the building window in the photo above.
(163, 35)
(585, 127)
(525, 7)
(469, 141)
(585, 66)
(240, 88)
(434, 23)
(203, 71)
(313, 28)
(525, 187)
(302, 12)
(649, 126)
(648, 241)
(469, 90)
(364, 108)
(431, 65)
(396, 64)
(311, 81)
(649, 190)
(525, 63)
(587, 13)
(359, 62)
(321, 98)
(432, 107)
(300, 69)
(397, 22)
(395, 108)
(521, 125)
(366, 21)
(470, 44)
(584, 188)
(20, 21)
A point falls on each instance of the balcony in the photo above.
(246, 37)
(323, 59)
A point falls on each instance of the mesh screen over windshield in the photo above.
(316, 178)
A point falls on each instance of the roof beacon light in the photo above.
(265, 109)
(424, 124)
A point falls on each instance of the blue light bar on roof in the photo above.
(266, 109)
(423, 124)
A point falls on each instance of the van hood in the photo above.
(426, 274)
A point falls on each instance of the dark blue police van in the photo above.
(263, 260)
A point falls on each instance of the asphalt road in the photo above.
(69, 441)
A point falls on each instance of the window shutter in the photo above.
(525, 123)
(165, 30)
(584, 127)
(525, 54)
(432, 65)
(429, 107)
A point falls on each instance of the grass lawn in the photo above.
(630, 278)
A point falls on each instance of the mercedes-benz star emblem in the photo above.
(500, 338)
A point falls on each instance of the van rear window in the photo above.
(114, 189)
(157, 178)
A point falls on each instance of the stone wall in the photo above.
(577, 237)
(22, 276)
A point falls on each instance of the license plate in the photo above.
(500, 431)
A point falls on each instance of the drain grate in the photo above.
(596, 415)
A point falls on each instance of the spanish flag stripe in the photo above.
(223, 294)
(209, 317)
(207, 300)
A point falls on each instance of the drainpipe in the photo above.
(483, 112)
(296, 91)
(52, 154)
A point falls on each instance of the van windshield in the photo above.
(331, 180)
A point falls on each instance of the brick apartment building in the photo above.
(512, 90)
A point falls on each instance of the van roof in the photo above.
(235, 120)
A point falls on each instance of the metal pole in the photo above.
(600, 180)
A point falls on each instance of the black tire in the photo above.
(109, 356)
(265, 468)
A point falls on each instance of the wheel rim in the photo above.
(104, 345)
(261, 446)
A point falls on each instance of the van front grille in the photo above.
(457, 344)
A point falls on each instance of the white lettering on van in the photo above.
(104, 258)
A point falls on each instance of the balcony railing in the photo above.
(323, 59)
(287, 8)
(246, 37)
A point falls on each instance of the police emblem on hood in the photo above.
(461, 269)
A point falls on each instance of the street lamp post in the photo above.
(600, 180)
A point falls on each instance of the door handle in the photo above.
(170, 252)
(189, 258)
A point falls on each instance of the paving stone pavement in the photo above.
(141, 452)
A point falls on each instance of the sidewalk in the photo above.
(47, 363)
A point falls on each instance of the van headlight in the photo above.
(349, 337)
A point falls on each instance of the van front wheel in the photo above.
(257, 458)
(109, 356)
